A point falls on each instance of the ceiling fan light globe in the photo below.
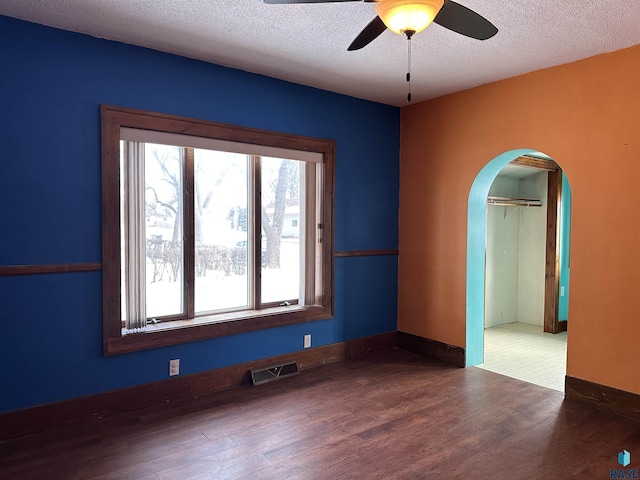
(402, 15)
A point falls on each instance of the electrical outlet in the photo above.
(174, 367)
(307, 341)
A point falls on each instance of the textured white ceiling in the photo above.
(307, 43)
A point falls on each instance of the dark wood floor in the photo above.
(392, 416)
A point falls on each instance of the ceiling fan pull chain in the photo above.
(409, 34)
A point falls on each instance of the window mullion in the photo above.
(188, 285)
(255, 232)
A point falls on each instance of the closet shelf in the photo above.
(513, 202)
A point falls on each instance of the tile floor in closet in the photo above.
(525, 352)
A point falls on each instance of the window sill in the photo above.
(213, 326)
(223, 317)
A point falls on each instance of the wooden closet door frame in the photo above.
(552, 241)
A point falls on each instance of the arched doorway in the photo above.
(476, 249)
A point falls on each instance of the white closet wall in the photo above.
(532, 251)
(501, 281)
(515, 256)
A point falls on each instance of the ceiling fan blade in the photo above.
(368, 34)
(462, 20)
(284, 2)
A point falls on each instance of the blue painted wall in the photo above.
(51, 85)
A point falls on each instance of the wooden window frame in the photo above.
(213, 326)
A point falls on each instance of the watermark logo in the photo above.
(624, 459)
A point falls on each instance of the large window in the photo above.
(210, 229)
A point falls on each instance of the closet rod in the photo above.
(514, 202)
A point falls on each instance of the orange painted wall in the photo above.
(586, 115)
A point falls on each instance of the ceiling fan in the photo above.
(408, 17)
